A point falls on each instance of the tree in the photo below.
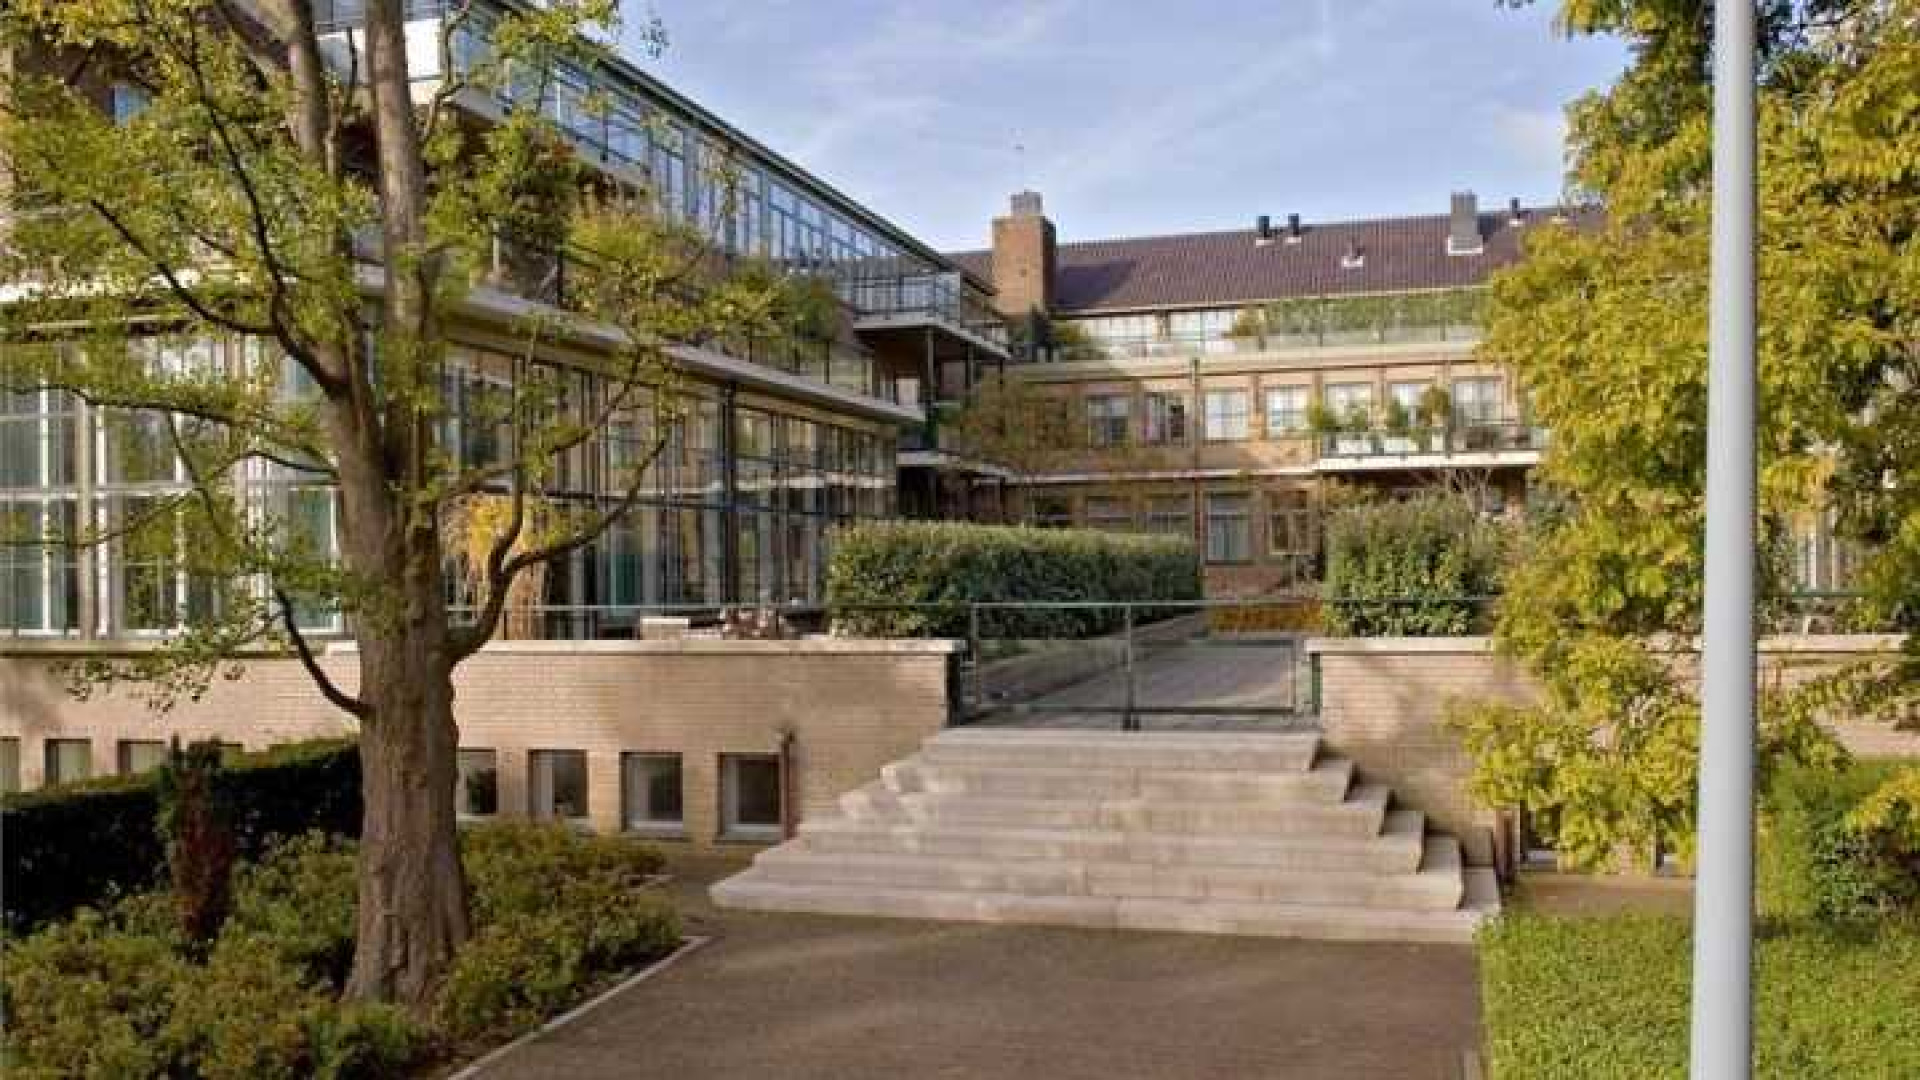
(1012, 423)
(1606, 326)
(294, 206)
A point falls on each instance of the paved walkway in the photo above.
(793, 996)
(1192, 673)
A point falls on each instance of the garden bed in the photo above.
(558, 917)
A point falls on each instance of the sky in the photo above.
(1139, 117)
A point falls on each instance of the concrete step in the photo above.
(1430, 890)
(1161, 751)
(1360, 815)
(1398, 849)
(1327, 781)
(753, 891)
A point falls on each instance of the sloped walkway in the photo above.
(818, 997)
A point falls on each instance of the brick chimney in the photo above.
(1463, 225)
(1023, 257)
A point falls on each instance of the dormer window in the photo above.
(128, 101)
(1354, 258)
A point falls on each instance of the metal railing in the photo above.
(1465, 437)
(941, 296)
(1181, 345)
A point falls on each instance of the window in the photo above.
(1226, 415)
(479, 791)
(1107, 416)
(1166, 418)
(750, 797)
(9, 764)
(128, 102)
(1407, 395)
(651, 793)
(556, 784)
(1350, 402)
(1227, 529)
(68, 760)
(140, 755)
(1286, 410)
(1476, 401)
(1170, 515)
(1290, 523)
(1109, 512)
(1053, 512)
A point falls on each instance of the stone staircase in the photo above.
(1257, 834)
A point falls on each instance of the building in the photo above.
(1224, 385)
(782, 440)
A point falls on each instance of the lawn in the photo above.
(1608, 997)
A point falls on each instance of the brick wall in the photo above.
(1382, 701)
(851, 706)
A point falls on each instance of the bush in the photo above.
(1570, 999)
(1420, 567)
(117, 992)
(77, 844)
(1820, 857)
(948, 565)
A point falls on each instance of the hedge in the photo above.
(1813, 864)
(1420, 568)
(72, 845)
(947, 565)
(1574, 999)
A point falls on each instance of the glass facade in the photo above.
(735, 507)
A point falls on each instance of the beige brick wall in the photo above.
(1382, 702)
(851, 707)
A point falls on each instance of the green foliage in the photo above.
(1839, 843)
(1010, 422)
(119, 994)
(1420, 567)
(80, 843)
(1607, 761)
(947, 565)
(1586, 999)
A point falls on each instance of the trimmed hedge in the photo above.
(73, 845)
(1813, 863)
(1416, 568)
(1570, 999)
(948, 565)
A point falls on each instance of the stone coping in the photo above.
(824, 646)
(1819, 644)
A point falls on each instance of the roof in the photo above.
(1213, 269)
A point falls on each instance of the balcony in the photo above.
(891, 301)
(1462, 445)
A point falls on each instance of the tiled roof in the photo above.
(1223, 268)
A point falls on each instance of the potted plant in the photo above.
(1435, 413)
(1354, 437)
(1399, 428)
(1249, 330)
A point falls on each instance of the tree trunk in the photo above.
(412, 889)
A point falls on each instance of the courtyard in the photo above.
(808, 996)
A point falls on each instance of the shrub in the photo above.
(1419, 567)
(301, 896)
(1827, 852)
(66, 846)
(361, 1041)
(1577, 998)
(198, 835)
(246, 1015)
(87, 998)
(948, 565)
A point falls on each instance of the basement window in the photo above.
(750, 796)
(478, 795)
(68, 760)
(557, 784)
(652, 794)
(140, 755)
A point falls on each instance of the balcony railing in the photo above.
(1174, 345)
(938, 296)
(1464, 437)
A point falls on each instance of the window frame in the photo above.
(731, 827)
(676, 826)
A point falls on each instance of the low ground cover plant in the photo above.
(1837, 954)
(117, 991)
